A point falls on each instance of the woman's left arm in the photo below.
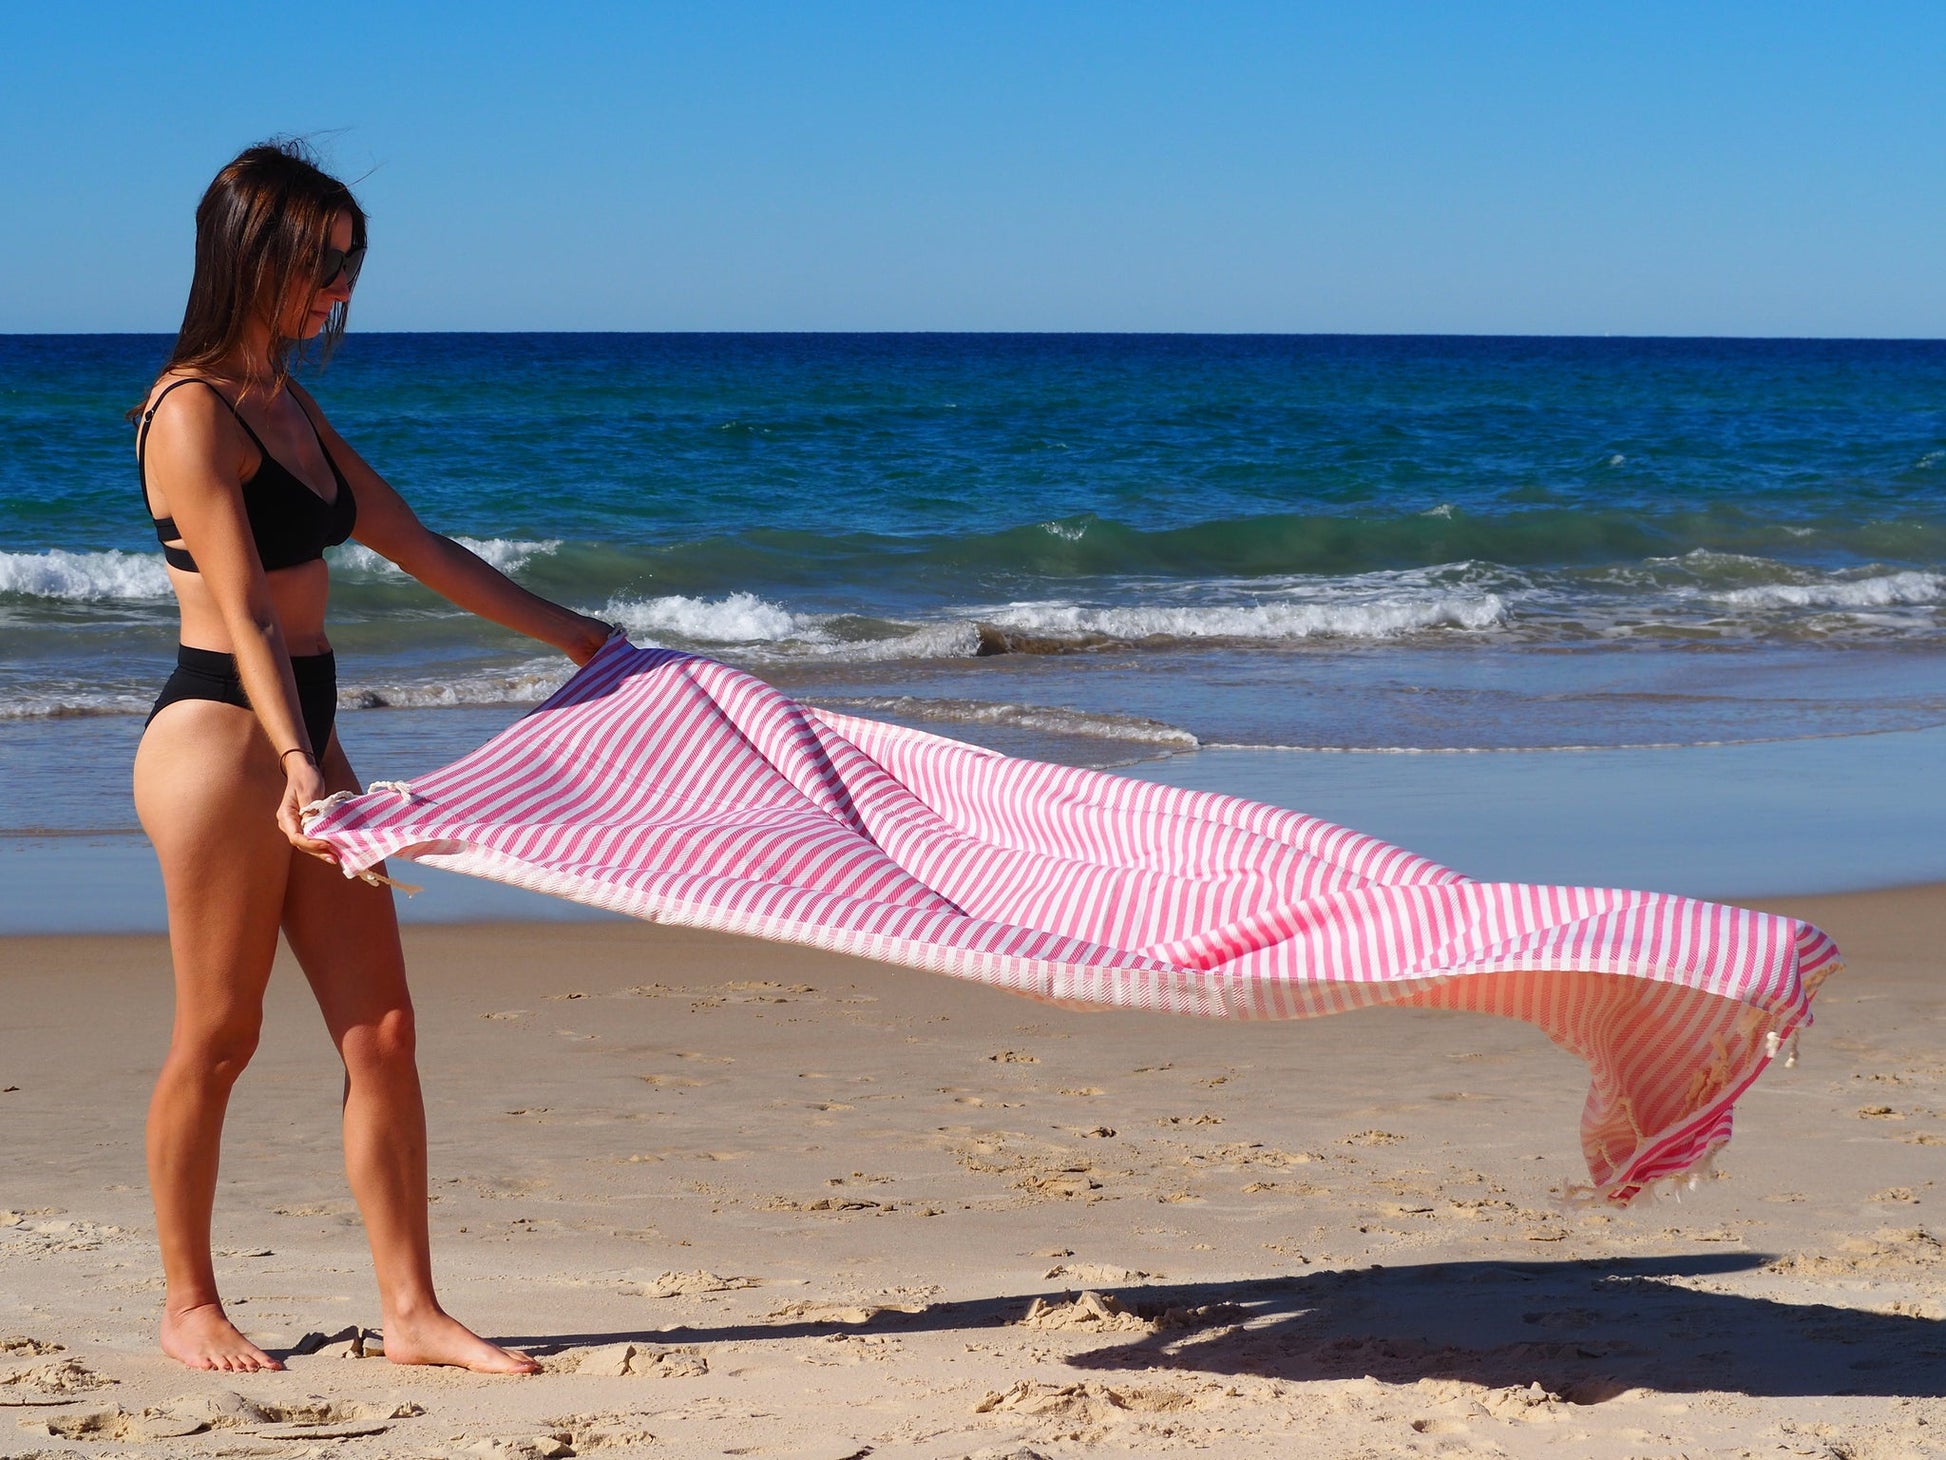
(391, 529)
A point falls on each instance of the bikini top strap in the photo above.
(323, 450)
(148, 416)
(141, 440)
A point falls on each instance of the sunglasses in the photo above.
(337, 261)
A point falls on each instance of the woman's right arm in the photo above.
(197, 458)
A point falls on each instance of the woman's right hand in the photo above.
(303, 784)
(593, 634)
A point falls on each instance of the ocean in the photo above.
(1289, 566)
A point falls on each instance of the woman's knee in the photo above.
(382, 1045)
(217, 1052)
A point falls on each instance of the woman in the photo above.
(248, 484)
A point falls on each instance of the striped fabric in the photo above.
(680, 790)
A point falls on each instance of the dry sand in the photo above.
(749, 1200)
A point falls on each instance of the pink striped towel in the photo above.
(680, 790)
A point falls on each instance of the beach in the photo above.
(1653, 614)
(748, 1199)
(1412, 540)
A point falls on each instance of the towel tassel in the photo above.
(315, 809)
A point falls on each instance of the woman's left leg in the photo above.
(346, 938)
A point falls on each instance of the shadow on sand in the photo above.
(1585, 1330)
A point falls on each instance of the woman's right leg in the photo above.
(206, 790)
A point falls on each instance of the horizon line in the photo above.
(1066, 334)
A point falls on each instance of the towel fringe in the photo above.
(1774, 1045)
(379, 879)
(311, 811)
(1571, 1196)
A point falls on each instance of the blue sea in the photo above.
(1640, 579)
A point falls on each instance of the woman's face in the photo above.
(309, 305)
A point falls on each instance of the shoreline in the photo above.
(821, 1198)
(487, 921)
(1723, 823)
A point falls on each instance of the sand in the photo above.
(749, 1200)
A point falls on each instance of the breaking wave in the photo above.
(83, 577)
(1887, 590)
(766, 631)
(509, 555)
(1377, 618)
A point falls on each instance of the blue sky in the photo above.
(1642, 168)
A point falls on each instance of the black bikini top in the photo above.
(291, 523)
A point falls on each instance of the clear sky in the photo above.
(1468, 166)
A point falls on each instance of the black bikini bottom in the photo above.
(204, 674)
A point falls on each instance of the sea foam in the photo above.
(83, 577)
(509, 555)
(766, 632)
(761, 631)
(1374, 618)
(740, 618)
(59, 704)
(1887, 590)
(526, 683)
(101, 577)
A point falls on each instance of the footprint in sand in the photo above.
(57, 1383)
(823, 1204)
(1897, 1194)
(631, 1360)
(116, 1423)
(347, 1343)
(577, 1434)
(1098, 1274)
(31, 1347)
(1090, 1403)
(689, 1284)
(1091, 1312)
(848, 1313)
(316, 1419)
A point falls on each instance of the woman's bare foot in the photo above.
(203, 1338)
(437, 1338)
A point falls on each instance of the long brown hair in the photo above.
(261, 231)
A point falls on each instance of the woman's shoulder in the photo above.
(198, 417)
(166, 398)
